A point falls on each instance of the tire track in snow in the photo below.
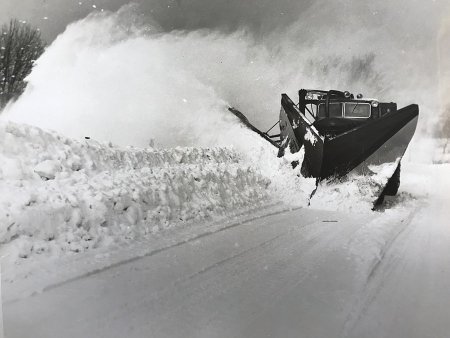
(151, 253)
(390, 257)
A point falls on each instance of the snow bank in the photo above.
(60, 195)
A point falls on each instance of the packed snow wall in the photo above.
(59, 194)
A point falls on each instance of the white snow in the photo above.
(441, 151)
(309, 136)
(353, 192)
(60, 195)
(47, 169)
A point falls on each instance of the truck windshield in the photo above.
(357, 110)
(335, 109)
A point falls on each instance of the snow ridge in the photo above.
(61, 195)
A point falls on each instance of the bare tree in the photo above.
(20, 46)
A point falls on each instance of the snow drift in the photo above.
(60, 195)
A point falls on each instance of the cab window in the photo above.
(357, 110)
(335, 109)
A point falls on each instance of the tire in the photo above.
(393, 184)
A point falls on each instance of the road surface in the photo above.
(303, 273)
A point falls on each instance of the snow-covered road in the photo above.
(303, 273)
(407, 293)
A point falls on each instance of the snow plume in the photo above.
(119, 77)
(107, 79)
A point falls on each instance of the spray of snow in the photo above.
(115, 78)
(354, 192)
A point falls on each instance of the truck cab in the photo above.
(334, 112)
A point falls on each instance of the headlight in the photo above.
(347, 94)
(309, 96)
(359, 96)
(374, 103)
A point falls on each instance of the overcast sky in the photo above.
(51, 16)
(260, 16)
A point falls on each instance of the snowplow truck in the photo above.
(341, 134)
